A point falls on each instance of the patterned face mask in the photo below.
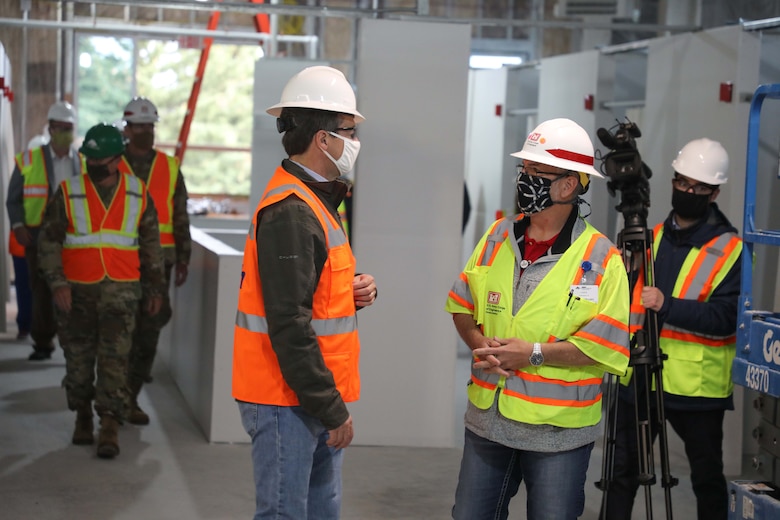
(533, 193)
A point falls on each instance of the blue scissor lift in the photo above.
(757, 365)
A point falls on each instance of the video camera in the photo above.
(626, 172)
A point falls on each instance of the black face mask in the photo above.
(142, 140)
(98, 172)
(533, 193)
(690, 206)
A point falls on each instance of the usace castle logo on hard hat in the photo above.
(536, 137)
(91, 144)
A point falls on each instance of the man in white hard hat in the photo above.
(543, 304)
(697, 286)
(165, 181)
(296, 346)
(36, 176)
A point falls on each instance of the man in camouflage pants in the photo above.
(99, 250)
(164, 179)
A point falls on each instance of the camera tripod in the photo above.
(646, 358)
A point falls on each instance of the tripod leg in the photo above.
(667, 480)
(644, 436)
(610, 428)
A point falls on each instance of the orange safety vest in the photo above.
(14, 247)
(161, 185)
(257, 377)
(102, 242)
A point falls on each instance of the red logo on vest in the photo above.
(494, 297)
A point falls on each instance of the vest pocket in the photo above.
(344, 374)
(570, 316)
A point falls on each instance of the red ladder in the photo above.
(262, 24)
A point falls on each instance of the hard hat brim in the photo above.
(276, 110)
(558, 163)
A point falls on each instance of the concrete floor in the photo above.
(167, 470)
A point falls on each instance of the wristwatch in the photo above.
(536, 358)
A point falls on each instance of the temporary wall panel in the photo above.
(485, 151)
(412, 81)
(565, 83)
(267, 152)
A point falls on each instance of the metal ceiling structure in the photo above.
(397, 13)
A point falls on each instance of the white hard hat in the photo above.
(703, 160)
(561, 143)
(141, 110)
(62, 111)
(319, 87)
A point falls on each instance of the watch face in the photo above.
(536, 359)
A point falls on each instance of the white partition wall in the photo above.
(565, 82)
(267, 152)
(7, 152)
(487, 106)
(412, 88)
(199, 348)
(684, 74)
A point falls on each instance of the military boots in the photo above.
(83, 434)
(108, 437)
(136, 415)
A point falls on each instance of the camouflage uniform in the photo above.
(96, 332)
(147, 331)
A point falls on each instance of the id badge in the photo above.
(586, 292)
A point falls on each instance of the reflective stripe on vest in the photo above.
(161, 184)
(32, 166)
(257, 376)
(102, 242)
(563, 396)
(329, 327)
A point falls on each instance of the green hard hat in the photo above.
(102, 140)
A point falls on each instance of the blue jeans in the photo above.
(490, 475)
(23, 294)
(297, 476)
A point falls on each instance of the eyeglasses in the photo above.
(350, 130)
(699, 189)
(532, 170)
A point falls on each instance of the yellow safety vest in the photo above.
(568, 397)
(698, 365)
(32, 166)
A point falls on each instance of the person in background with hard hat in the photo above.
(296, 346)
(100, 253)
(697, 260)
(543, 304)
(19, 261)
(165, 182)
(35, 178)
